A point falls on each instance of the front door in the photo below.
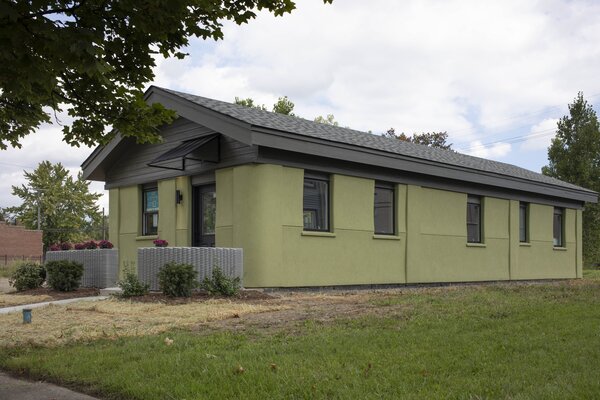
(204, 216)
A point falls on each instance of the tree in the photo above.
(329, 120)
(65, 204)
(574, 156)
(248, 102)
(284, 106)
(93, 59)
(96, 228)
(431, 139)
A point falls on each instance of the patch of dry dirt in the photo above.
(198, 296)
(292, 309)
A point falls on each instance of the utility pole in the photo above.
(39, 209)
(39, 216)
(103, 225)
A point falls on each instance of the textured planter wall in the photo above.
(100, 266)
(151, 259)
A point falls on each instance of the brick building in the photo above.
(17, 243)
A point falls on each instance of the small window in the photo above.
(150, 211)
(316, 202)
(384, 210)
(473, 219)
(557, 227)
(523, 223)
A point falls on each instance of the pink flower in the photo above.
(105, 244)
(160, 243)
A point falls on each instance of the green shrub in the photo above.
(64, 275)
(221, 283)
(131, 285)
(27, 275)
(177, 280)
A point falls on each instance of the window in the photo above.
(316, 202)
(384, 210)
(557, 227)
(523, 225)
(150, 210)
(473, 219)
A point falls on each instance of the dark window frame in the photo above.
(145, 229)
(477, 203)
(560, 241)
(322, 178)
(391, 188)
(523, 222)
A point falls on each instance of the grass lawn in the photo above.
(537, 341)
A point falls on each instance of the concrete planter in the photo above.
(100, 266)
(151, 259)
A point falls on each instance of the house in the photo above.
(317, 205)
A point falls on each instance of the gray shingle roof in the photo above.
(304, 127)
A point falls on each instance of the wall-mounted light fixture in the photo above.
(178, 197)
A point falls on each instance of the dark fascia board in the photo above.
(92, 156)
(238, 130)
(309, 145)
(343, 167)
(91, 165)
(214, 120)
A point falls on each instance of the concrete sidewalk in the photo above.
(8, 310)
(16, 389)
(4, 286)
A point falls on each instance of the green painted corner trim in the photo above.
(387, 237)
(481, 245)
(149, 237)
(524, 244)
(318, 234)
(560, 248)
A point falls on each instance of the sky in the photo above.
(496, 76)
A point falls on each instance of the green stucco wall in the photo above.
(437, 248)
(538, 259)
(259, 208)
(125, 223)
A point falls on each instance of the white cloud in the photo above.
(494, 151)
(540, 135)
(462, 66)
(45, 144)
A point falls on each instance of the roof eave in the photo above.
(268, 137)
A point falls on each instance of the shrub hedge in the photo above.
(27, 275)
(177, 280)
(64, 275)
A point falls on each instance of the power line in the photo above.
(517, 117)
(514, 139)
